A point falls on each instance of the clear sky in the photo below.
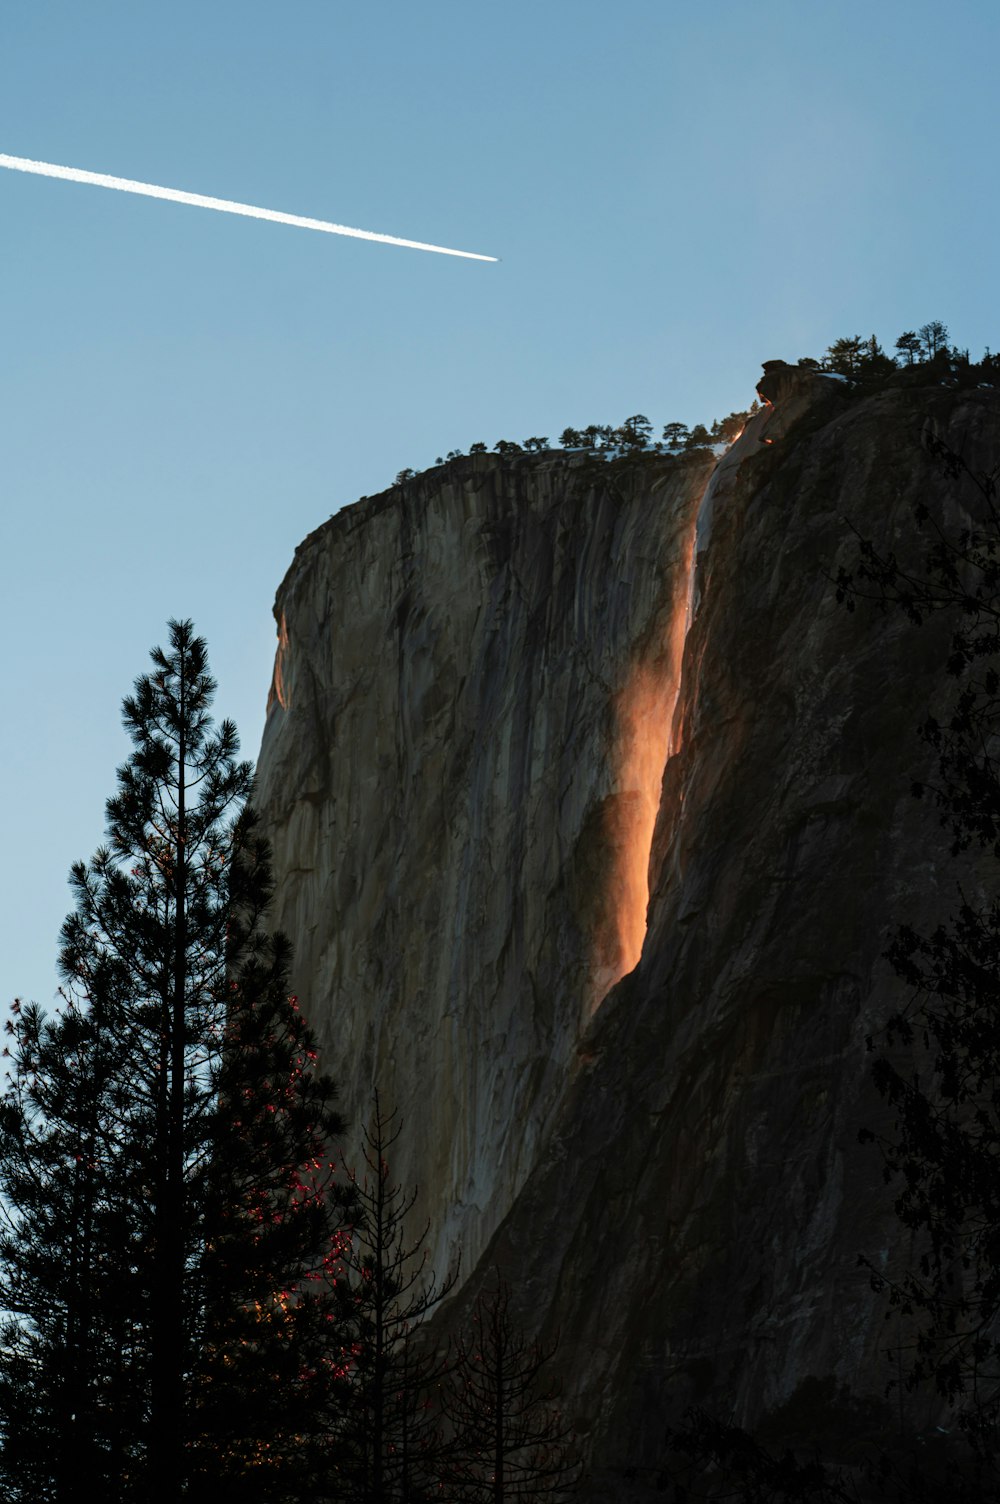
(678, 192)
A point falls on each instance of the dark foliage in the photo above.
(509, 1440)
(713, 1459)
(170, 1206)
(924, 358)
(387, 1447)
(943, 1148)
(68, 1343)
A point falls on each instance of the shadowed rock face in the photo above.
(457, 777)
(479, 676)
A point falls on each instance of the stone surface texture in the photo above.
(506, 691)
(456, 780)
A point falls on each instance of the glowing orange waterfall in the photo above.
(644, 740)
(647, 734)
(278, 691)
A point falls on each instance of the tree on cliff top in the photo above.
(933, 338)
(636, 432)
(844, 355)
(908, 345)
(171, 1214)
(675, 435)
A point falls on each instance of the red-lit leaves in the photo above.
(281, 1346)
(171, 1203)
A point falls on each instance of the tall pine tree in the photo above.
(173, 1230)
(68, 1285)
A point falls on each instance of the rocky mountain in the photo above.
(591, 819)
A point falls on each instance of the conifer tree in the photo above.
(933, 338)
(844, 355)
(908, 345)
(68, 1270)
(636, 432)
(173, 1220)
(675, 435)
(509, 1441)
(390, 1450)
(728, 429)
(698, 438)
(873, 361)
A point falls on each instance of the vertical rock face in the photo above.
(460, 772)
(506, 693)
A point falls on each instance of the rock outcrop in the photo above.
(510, 694)
(461, 769)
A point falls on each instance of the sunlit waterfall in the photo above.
(646, 735)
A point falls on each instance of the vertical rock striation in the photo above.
(696, 1217)
(460, 774)
(480, 678)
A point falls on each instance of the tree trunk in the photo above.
(167, 1417)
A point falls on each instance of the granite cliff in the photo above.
(591, 818)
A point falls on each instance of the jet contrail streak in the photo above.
(224, 205)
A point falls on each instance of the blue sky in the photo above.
(677, 193)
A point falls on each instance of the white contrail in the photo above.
(224, 205)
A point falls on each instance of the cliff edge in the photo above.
(460, 774)
(515, 699)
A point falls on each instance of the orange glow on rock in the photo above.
(644, 739)
(278, 677)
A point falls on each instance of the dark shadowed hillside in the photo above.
(514, 695)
